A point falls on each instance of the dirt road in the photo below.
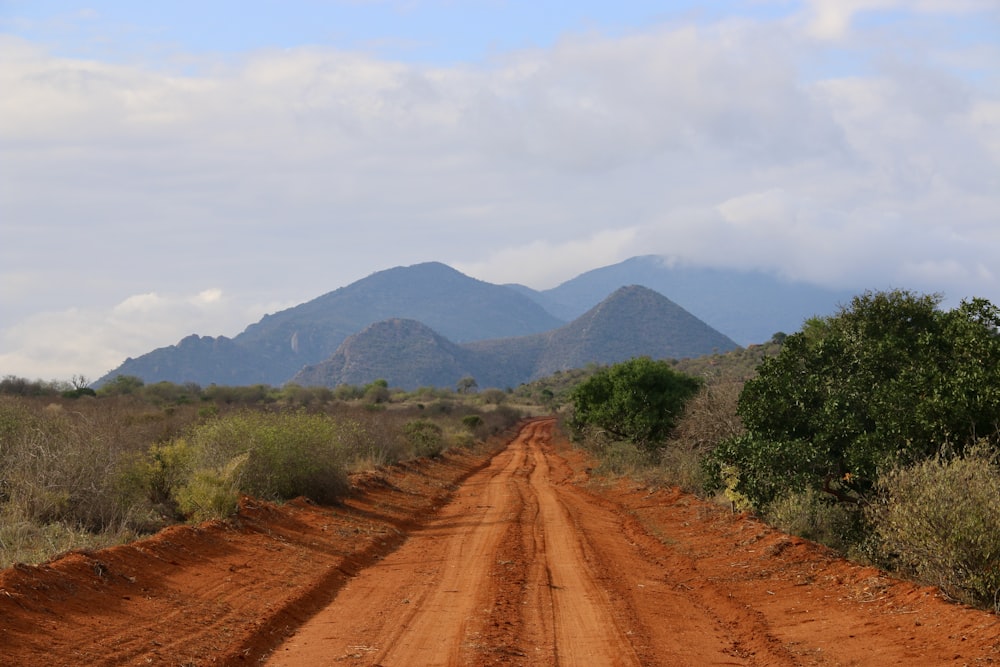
(501, 572)
(511, 560)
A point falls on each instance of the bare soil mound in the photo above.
(514, 559)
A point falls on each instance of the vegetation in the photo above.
(638, 401)
(84, 471)
(874, 431)
(939, 520)
(888, 382)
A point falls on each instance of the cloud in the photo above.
(544, 264)
(93, 341)
(141, 204)
(831, 19)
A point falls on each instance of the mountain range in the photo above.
(633, 321)
(748, 306)
(429, 324)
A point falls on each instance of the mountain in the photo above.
(748, 306)
(633, 321)
(275, 348)
(404, 352)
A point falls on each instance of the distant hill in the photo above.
(633, 321)
(275, 348)
(405, 353)
(748, 306)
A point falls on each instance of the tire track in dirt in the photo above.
(585, 625)
(451, 574)
(416, 605)
(523, 568)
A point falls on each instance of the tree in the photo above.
(377, 392)
(493, 395)
(888, 381)
(467, 385)
(637, 400)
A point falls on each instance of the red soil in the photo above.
(475, 560)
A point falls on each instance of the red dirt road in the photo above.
(513, 560)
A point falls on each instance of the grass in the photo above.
(95, 471)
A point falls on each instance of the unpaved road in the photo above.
(516, 559)
(502, 572)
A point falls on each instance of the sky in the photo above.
(169, 168)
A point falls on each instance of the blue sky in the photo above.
(179, 167)
(438, 32)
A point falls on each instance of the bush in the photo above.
(940, 521)
(887, 382)
(57, 466)
(638, 400)
(166, 467)
(425, 437)
(818, 517)
(622, 458)
(472, 422)
(708, 419)
(280, 455)
(212, 494)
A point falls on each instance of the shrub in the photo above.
(888, 381)
(375, 440)
(638, 400)
(282, 455)
(165, 468)
(680, 466)
(818, 517)
(212, 494)
(494, 396)
(708, 419)
(940, 521)
(425, 437)
(458, 437)
(622, 458)
(58, 466)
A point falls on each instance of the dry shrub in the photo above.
(708, 419)
(625, 459)
(940, 522)
(817, 516)
(57, 465)
(273, 455)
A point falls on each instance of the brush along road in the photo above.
(511, 560)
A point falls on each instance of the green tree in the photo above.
(638, 400)
(467, 385)
(377, 392)
(121, 385)
(889, 380)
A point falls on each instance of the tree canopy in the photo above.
(889, 380)
(637, 400)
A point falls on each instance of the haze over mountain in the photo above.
(462, 311)
(748, 306)
(633, 321)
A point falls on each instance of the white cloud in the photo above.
(279, 175)
(544, 264)
(93, 341)
(831, 19)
